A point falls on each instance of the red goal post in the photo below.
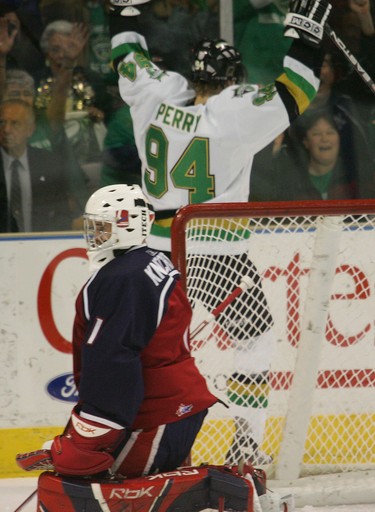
(317, 266)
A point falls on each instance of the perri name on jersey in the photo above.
(159, 267)
(177, 118)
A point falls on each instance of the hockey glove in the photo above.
(306, 20)
(84, 448)
(126, 7)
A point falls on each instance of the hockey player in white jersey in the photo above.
(196, 141)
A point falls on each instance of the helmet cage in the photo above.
(99, 231)
(215, 61)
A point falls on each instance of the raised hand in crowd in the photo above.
(363, 10)
(73, 45)
(7, 38)
(8, 33)
(62, 51)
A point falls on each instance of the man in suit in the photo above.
(41, 202)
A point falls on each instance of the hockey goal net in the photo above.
(316, 267)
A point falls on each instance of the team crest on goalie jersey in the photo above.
(183, 409)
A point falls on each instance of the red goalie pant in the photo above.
(158, 449)
(185, 489)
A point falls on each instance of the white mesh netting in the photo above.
(310, 309)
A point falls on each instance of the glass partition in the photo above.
(65, 127)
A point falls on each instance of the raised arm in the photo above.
(6, 44)
(299, 82)
(362, 8)
(64, 75)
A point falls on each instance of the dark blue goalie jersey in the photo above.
(132, 360)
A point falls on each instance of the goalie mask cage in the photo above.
(316, 262)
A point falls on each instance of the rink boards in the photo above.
(41, 278)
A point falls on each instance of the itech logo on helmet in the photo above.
(145, 218)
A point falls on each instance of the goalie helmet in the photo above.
(215, 61)
(116, 217)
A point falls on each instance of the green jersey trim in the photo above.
(225, 230)
(301, 90)
(124, 49)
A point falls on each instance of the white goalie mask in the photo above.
(116, 217)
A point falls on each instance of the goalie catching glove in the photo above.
(84, 448)
(306, 20)
(126, 7)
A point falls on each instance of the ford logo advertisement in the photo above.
(63, 388)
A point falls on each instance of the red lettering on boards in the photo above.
(44, 301)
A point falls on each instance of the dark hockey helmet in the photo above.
(215, 61)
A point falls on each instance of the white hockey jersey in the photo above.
(203, 153)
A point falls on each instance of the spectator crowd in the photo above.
(65, 131)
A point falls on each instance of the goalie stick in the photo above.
(26, 501)
(350, 57)
(245, 284)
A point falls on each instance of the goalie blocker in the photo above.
(185, 489)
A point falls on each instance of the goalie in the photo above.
(142, 400)
(196, 144)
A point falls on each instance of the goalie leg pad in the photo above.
(185, 490)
